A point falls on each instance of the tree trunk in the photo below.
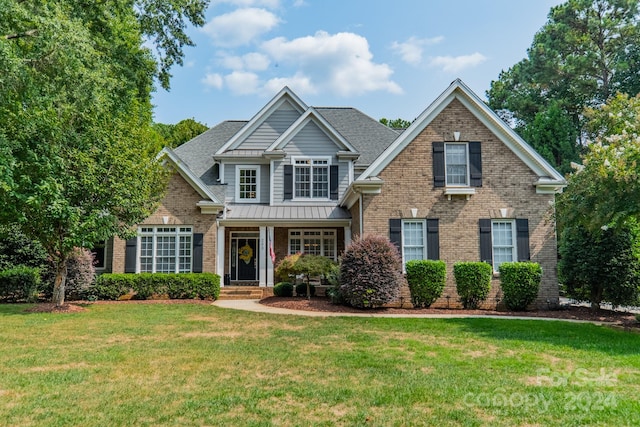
(59, 283)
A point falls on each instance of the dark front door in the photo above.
(244, 263)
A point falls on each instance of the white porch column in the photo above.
(347, 236)
(220, 254)
(270, 267)
(264, 251)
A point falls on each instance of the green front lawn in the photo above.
(184, 364)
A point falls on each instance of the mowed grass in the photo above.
(188, 364)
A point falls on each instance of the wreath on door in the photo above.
(246, 253)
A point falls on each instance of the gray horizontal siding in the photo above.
(271, 128)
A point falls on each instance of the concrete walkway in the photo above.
(255, 306)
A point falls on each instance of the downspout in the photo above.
(361, 214)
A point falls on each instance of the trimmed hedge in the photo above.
(473, 282)
(283, 289)
(112, 286)
(147, 285)
(520, 282)
(20, 284)
(426, 280)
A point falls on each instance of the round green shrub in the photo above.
(371, 272)
(473, 282)
(520, 282)
(283, 289)
(301, 289)
(426, 280)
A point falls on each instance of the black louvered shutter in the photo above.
(438, 164)
(197, 252)
(475, 164)
(288, 182)
(433, 239)
(522, 233)
(333, 182)
(395, 233)
(486, 246)
(130, 255)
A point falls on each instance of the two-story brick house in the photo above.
(457, 185)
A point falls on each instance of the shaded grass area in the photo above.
(150, 365)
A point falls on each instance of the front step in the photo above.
(240, 292)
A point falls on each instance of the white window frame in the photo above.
(239, 169)
(310, 163)
(154, 232)
(423, 222)
(446, 165)
(513, 246)
(325, 234)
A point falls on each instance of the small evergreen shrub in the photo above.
(371, 272)
(301, 289)
(426, 280)
(520, 282)
(112, 286)
(283, 289)
(20, 284)
(473, 282)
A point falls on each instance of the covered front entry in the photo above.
(245, 257)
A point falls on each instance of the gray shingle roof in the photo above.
(367, 135)
(289, 213)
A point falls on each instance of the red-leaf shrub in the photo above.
(371, 272)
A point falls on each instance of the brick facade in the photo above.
(179, 206)
(507, 184)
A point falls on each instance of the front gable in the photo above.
(270, 122)
(546, 178)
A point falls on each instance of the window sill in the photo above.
(467, 192)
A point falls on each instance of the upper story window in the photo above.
(457, 166)
(248, 183)
(311, 178)
(457, 162)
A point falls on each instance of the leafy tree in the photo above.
(605, 191)
(586, 52)
(312, 266)
(76, 146)
(181, 132)
(395, 124)
(597, 213)
(601, 265)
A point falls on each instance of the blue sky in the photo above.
(386, 58)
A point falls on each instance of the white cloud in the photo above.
(411, 50)
(240, 27)
(299, 3)
(341, 63)
(213, 80)
(299, 83)
(454, 64)
(251, 61)
(242, 82)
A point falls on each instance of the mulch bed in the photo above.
(574, 312)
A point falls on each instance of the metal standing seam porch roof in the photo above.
(265, 213)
